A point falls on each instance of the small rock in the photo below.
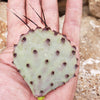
(94, 7)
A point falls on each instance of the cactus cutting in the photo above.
(45, 58)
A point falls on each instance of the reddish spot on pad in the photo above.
(46, 61)
(64, 63)
(69, 41)
(52, 73)
(63, 83)
(76, 66)
(31, 30)
(55, 33)
(38, 27)
(64, 36)
(39, 76)
(73, 52)
(41, 91)
(18, 70)
(74, 47)
(48, 41)
(15, 45)
(27, 65)
(51, 84)
(22, 35)
(74, 75)
(23, 39)
(15, 54)
(31, 82)
(46, 28)
(63, 40)
(66, 75)
(35, 51)
(57, 52)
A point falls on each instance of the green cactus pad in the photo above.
(45, 59)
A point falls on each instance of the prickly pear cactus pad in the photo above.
(45, 59)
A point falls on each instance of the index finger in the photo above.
(72, 20)
(14, 24)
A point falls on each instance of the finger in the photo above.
(65, 92)
(12, 85)
(31, 13)
(72, 20)
(50, 9)
(14, 24)
(19, 6)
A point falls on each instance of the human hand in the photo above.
(12, 85)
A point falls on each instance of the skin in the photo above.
(12, 85)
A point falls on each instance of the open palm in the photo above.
(12, 85)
